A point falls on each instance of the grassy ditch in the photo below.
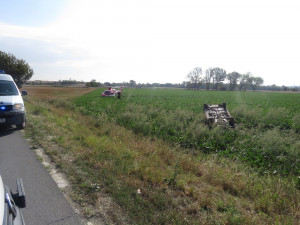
(150, 180)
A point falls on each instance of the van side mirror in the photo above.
(19, 197)
(24, 93)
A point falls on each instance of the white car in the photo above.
(10, 204)
(12, 109)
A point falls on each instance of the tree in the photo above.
(195, 78)
(256, 82)
(244, 82)
(248, 81)
(284, 88)
(188, 85)
(233, 79)
(17, 68)
(92, 83)
(208, 78)
(132, 83)
(219, 76)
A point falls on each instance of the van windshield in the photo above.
(8, 88)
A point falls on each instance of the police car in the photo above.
(12, 110)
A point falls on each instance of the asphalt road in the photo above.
(45, 204)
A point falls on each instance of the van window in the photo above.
(8, 88)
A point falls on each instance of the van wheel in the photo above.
(21, 125)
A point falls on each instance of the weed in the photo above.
(296, 122)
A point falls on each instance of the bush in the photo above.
(277, 152)
(296, 123)
(248, 117)
(278, 117)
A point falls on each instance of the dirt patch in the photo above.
(54, 92)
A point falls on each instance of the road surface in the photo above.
(45, 204)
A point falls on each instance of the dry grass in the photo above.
(176, 185)
(54, 92)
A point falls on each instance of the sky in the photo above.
(157, 41)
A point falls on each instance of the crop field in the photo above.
(149, 157)
(266, 136)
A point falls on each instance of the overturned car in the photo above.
(218, 115)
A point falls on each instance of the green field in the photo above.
(266, 135)
(157, 162)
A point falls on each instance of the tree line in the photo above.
(214, 79)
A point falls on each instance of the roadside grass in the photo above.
(153, 181)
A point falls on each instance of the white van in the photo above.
(12, 110)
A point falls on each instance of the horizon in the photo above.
(137, 83)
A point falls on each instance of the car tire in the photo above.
(21, 125)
